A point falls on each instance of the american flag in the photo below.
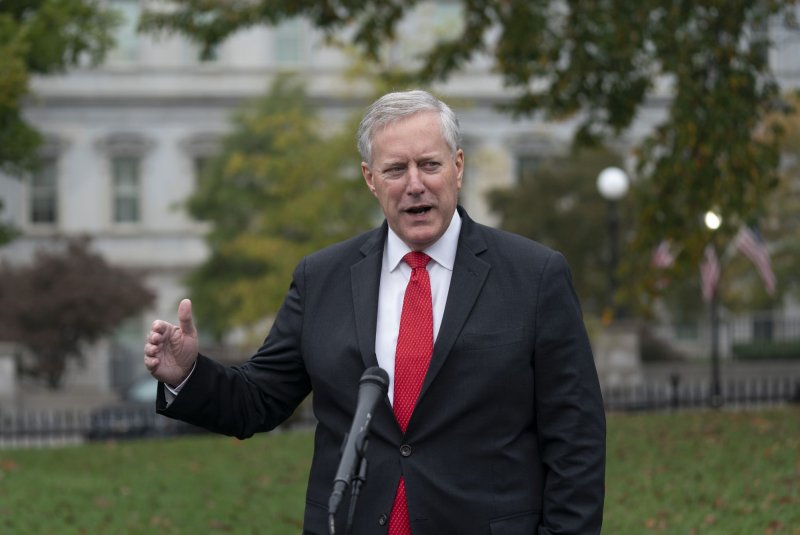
(662, 258)
(750, 243)
(709, 272)
(662, 255)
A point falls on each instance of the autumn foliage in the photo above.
(66, 298)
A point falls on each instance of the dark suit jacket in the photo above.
(508, 435)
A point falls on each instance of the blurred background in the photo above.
(151, 151)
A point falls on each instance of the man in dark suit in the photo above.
(494, 422)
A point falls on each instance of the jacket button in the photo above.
(405, 450)
(383, 519)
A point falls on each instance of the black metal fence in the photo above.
(740, 393)
(20, 429)
(43, 428)
(65, 427)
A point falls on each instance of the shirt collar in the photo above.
(443, 252)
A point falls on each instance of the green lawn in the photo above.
(725, 473)
(721, 473)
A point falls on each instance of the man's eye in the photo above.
(394, 170)
(431, 166)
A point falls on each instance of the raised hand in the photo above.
(171, 350)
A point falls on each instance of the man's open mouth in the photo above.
(418, 209)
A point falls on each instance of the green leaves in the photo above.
(602, 62)
(278, 191)
(42, 37)
(557, 203)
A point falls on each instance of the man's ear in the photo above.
(460, 167)
(368, 177)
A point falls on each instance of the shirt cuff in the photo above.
(171, 392)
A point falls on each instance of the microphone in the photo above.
(372, 387)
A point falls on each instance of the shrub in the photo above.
(760, 350)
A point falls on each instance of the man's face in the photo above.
(415, 178)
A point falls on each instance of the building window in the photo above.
(427, 24)
(44, 193)
(289, 42)
(125, 171)
(201, 149)
(126, 38)
(201, 166)
(527, 166)
(125, 152)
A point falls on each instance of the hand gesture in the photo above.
(171, 350)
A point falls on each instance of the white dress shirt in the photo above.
(394, 279)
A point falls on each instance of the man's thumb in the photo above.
(185, 317)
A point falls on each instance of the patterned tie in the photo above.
(413, 354)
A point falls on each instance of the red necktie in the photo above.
(413, 354)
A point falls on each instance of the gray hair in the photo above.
(392, 107)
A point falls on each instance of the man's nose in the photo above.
(415, 185)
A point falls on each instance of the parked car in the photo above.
(135, 416)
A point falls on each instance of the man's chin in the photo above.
(420, 238)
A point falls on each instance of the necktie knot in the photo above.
(416, 259)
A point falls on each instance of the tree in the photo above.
(741, 287)
(598, 61)
(7, 231)
(558, 204)
(42, 37)
(779, 223)
(64, 300)
(277, 191)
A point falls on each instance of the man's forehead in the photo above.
(393, 129)
(404, 156)
(428, 115)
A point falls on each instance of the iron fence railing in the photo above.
(64, 427)
(739, 393)
(24, 428)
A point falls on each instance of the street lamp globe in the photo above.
(712, 220)
(612, 182)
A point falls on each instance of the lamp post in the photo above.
(713, 221)
(612, 182)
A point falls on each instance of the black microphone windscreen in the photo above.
(377, 375)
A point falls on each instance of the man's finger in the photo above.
(151, 363)
(185, 317)
(151, 350)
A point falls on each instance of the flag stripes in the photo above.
(750, 243)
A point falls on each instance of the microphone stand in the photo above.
(358, 481)
(355, 489)
(352, 471)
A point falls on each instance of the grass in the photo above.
(724, 473)
(208, 484)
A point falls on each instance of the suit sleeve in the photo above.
(569, 409)
(257, 396)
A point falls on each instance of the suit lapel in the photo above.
(365, 278)
(469, 275)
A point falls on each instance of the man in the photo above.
(496, 428)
